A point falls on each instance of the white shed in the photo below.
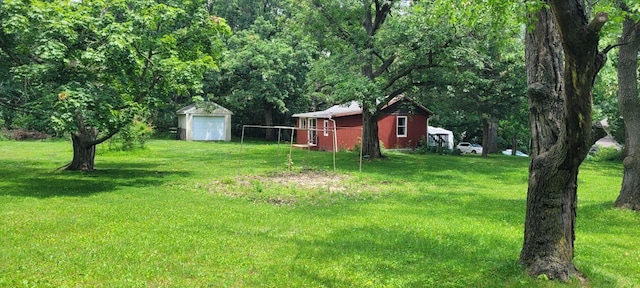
(209, 123)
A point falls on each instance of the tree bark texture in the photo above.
(84, 145)
(560, 119)
(84, 151)
(370, 141)
(489, 136)
(629, 197)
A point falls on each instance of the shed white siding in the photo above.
(208, 128)
(201, 125)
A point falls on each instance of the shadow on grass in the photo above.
(607, 169)
(603, 217)
(25, 179)
(381, 256)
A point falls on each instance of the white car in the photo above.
(466, 147)
(518, 153)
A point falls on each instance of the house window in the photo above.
(325, 128)
(302, 122)
(401, 126)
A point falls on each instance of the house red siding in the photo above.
(349, 128)
(349, 131)
(416, 127)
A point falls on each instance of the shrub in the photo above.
(4, 135)
(132, 136)
(424, 147)
(607, 154)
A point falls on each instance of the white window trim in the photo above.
(325, 128)
(302, 123)
(398, 126)
(312, 134)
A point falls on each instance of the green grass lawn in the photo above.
(180, 214)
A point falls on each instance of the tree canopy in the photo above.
(373, 51)
(91, 66)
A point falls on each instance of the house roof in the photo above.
(353, 108)
(405, 98)
(208, 108)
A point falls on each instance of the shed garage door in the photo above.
(208, 128)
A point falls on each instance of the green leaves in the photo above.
(263, 69)
(100, 59)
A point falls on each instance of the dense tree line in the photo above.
(284, 57)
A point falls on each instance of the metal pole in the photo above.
(361, 148)
(290, 150)
(335, 143)
(241, 144)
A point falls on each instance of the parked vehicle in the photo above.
(518, 153)
(466, 147)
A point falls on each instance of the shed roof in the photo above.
(207, 108)
(438, 130)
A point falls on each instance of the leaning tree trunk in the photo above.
(370, 141)
(560, 119)
(84, 150)
(629, 103)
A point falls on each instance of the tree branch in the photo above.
(319, 87)
(104, 138)
(597, 133)
(596, 24)
(381, 15)
(610, 47)
(408, 71)
(385, 65)
(344, 34)
(20, 108)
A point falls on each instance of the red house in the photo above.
(401, 124)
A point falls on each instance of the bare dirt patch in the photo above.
(308, 180)
(290, 188)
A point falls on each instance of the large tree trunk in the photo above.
(545, 243)
(84, 151)
(84, 145)
(629, 197)
(489, 136)
(370, 141)
(560, 119)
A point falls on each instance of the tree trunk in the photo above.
(546, 250)
(489, 136)
(560, 119)
(629, 103)
(84, 145)
(268, 121)
(370, 141)
(84, 150)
